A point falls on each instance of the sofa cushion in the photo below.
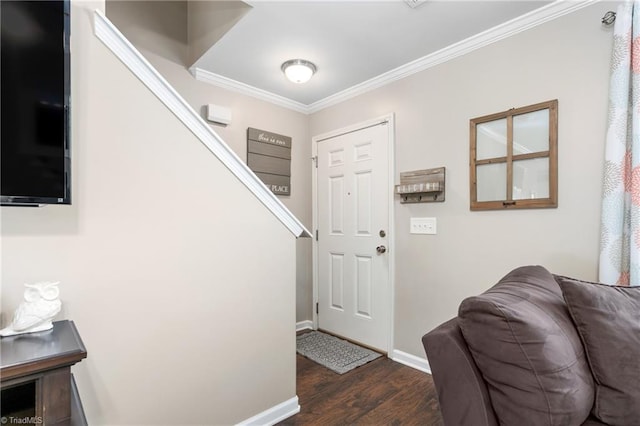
(608, 321)
(524, 342)
(462, 393)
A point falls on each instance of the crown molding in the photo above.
(245, 89)
(510, 28)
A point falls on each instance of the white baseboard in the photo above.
(304, 325)
(411, 361)
(275, 414)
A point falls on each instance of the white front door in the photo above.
(352, 201)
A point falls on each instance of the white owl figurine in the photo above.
(40, 305)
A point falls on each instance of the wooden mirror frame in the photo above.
(550, 201)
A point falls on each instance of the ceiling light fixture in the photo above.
(298, 70)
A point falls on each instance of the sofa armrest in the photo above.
(462, 392)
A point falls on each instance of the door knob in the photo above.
(381, 249)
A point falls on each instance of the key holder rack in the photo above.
(422, 186)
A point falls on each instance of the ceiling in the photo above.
(351, 42)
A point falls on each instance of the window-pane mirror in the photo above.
(514, 159)
(531, 179)
(492, 180)
(492, 139)
(531, 132)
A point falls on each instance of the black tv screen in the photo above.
(35, 91)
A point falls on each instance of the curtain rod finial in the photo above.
(609, 18)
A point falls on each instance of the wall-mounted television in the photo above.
(35, 160)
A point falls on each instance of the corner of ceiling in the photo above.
(245, 89)
(522, 23)
(208, 22)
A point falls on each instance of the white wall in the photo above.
(250, 112)
(139, 21)
(184, 301)
(156, 26)
(179, 329)
(567, 59)
(208, 21)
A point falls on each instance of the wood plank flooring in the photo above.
(382, 392)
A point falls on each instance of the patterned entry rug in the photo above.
(334, 353)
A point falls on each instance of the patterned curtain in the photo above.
(620, 220)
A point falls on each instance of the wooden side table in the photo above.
(35, 374)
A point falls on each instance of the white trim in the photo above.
(390, 119)
(304, 325)
(130, 56)
(245, 89)
(314, 224)
(510, 28)
(275, 414)
(522, 23)
(412, 361)
(391, 154)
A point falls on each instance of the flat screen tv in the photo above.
(35, 161)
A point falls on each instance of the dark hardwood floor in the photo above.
(382, 392)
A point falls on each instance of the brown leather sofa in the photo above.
(522, 353)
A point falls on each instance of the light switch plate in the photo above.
(423, 225)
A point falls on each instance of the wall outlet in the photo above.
(423, 225)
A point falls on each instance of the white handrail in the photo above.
(133, 59)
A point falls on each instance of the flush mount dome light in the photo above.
(298, 70)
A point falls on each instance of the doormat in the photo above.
(334, 353)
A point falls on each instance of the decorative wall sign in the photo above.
(422, 186)
(269, 156)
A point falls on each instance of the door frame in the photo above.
(390, 120)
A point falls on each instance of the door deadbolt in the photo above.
(382, 233)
